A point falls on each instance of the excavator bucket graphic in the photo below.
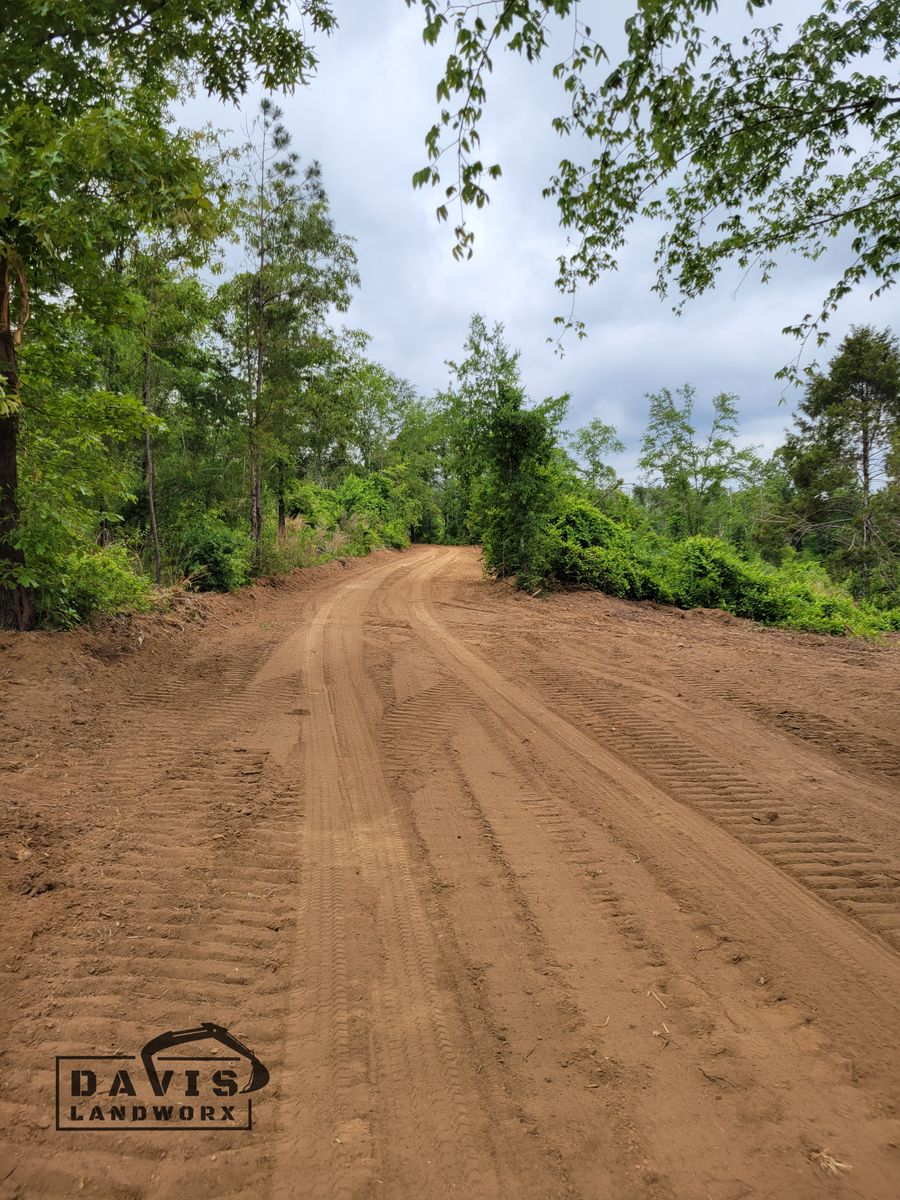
(259, 1075)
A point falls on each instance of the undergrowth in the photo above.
(586, 548)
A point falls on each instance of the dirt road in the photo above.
(514, 897)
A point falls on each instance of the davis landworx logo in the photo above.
(157, 1091)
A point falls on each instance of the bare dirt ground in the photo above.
(515, 897)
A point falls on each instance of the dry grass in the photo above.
(827, 1162)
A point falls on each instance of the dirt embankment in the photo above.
(513, 897)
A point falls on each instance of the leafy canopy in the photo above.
(843, 460)
(693, 472)
(62, 52)
(782, 141)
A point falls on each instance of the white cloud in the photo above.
(365, 117)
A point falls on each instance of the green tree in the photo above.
(88, 159)
(326, 420)
(475, 382)
(382, 401)
(593, 443)
(420, 447)
(757, 520)
(65, 54)
(77, 470)
(72, 194)
(693, 473)
(842, 459)
(162, 349)
(778, 142)
(301, 267)
(517, 492)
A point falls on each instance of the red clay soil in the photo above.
(515, 897)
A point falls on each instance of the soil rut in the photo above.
(562, 898)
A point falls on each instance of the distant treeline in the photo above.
(177, 424)
(808, 539)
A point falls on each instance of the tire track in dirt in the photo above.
(414, 727)
(528, 1017)
(390, 1096)
(680, 851)
(519, 707)
(857, 747)
(197, 888)
(575, 1144)
(864, 752)
(185, 892)
(419, 890)
(844, 871)
(854, 803)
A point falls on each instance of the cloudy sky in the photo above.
(365, 116)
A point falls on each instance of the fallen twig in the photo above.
(703, 949)
(717, 1078)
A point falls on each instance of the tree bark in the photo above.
(16, 606)
(866, 513)
(151, 472)
(255, 451)
(282, 513)
(255, 493)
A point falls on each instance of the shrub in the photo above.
(580, 523)
(299, 547)
(612, 569)
(706, 572)
(361, 535)
(89, 581)
(358, 495)
(317, 505)
(587, 548)
(214, 557)
(703, 572)
(395, 534)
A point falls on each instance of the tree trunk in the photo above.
(282, 514)
(16, 607)
(255, 454)
(151, 472)
(866, 513)
(255, 492)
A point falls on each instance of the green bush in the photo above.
(362, 537)
(318, 506)
(358, 495)
(612, 569)
(581, 524)
(588, 549)
(376, 511)
(213, 556)
(703, 572)
(92, 581)
(834, 614)
(395, 534)
(706, 572)
(361, 515)
(299, 548)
